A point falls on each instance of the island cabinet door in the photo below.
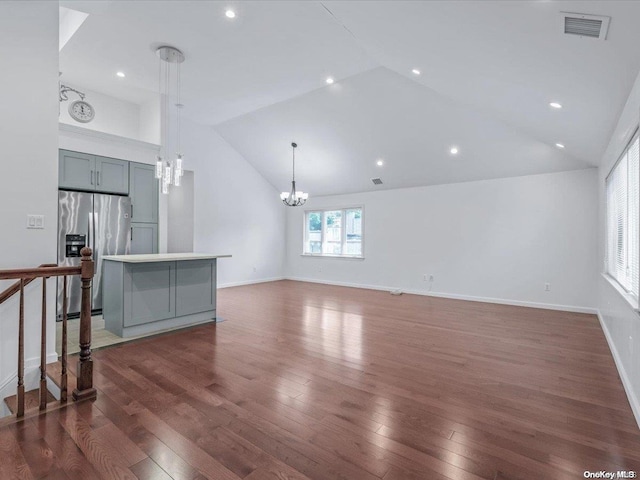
(149, 292)
(195, 286)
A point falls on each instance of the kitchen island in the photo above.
(147, 293)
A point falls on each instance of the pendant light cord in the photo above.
(162, 147)
(166, 102)
(178, 106)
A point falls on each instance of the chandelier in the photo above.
(169, 167)
(295, 198)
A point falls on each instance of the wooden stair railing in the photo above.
(15, 288)
(84, 384)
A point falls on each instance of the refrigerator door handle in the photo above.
(94, 217)
(89, 230)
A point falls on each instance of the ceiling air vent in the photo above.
(377, 181)
(583, 25)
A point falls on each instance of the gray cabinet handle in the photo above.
(131, 233)
(91, 177)
(132, 210)
(98, 176)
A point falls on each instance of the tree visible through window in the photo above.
(335, 232)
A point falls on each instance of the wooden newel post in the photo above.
(85, 388)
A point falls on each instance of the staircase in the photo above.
(55, 379)
(56, 396)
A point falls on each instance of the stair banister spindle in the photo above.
(63, 379)
(20, 397)
(43, 347)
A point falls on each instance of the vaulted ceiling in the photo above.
(488, 71)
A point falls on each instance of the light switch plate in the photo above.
(35, 221)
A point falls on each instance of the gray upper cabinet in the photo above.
(143, 189)
(80, 171)
(76, 170)
(112, 175)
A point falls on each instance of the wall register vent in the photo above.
(377, 181)
(583, 25)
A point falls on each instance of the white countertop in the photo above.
(161, 257)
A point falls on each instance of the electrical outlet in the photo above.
(431, 278)
(547, 287)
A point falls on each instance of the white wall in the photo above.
(112, 115)
(150, 129)
(180, 216)
(620, 322)
(28, 183)
(496, 239)
(237, 211)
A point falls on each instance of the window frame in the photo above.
(633, 298)
(343, 232)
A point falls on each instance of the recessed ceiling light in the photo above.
(329, 80)
(120, 74)
(454, 150)
(380, 163)
(415, 71)
(230, 14)
(555, 105)
(559, 145)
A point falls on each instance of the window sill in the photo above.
(630, 299)
(346, 257)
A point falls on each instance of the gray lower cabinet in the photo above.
(143, 189)
(81, 171)
(149, 292)
(144, 297)
(144, 238)
(196, 286)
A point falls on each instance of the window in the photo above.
(334, 232)
(623, 212)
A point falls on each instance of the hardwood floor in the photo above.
(320, 382)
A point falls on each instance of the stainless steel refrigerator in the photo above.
(101, 222)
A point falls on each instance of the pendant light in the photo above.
(169, 167)
(295, 198)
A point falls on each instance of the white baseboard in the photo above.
(455, 296)
(626, 383)
(249, 282)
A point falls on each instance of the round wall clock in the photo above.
(81, 111)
